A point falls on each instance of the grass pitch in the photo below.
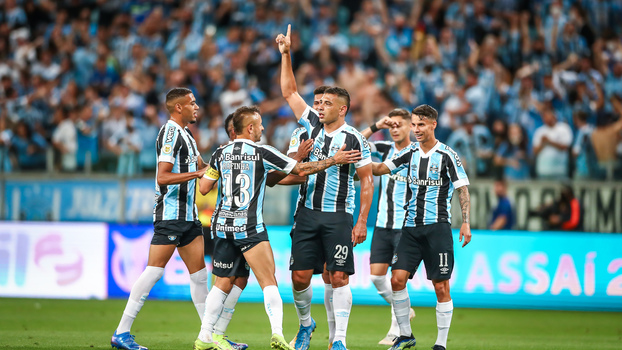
(88, 324)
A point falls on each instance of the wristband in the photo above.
(373, 128)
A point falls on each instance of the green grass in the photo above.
(71, 324)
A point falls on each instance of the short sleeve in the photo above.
(309, 119)
(455, 170)
(400, 161)
(275, 160)
(298, 136)
(359, 142)
(169, 146)
(379, 148)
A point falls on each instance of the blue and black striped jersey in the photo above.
(332, 190)
(242, 166)
(299, 136)
(432, 178)
(392, 195)
(177, 146)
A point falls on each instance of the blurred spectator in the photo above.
(6, 134)
(502, 215)
(512, 154)
(565, 213)
(28, 148)
(148, 129)
(126, 143)
(65, 140)
(586, 164)
(473, 142)
(234, 96)
(550, 147)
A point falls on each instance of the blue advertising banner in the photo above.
(507, 269)
(128, 250)
(76, 200)
(80, 200)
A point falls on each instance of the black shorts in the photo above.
(322, 237)
(384, 245)
(228, 259)
(434, 244)
(319, 268)
(176, 232)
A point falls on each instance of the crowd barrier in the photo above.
(508, 269)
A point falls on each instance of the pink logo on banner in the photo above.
(52, 246)
(129, 258)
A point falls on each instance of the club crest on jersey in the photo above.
(167, 149)
(334, 149)
(434, 169)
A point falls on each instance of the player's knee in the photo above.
(300, 280)
(241, 282)
(441, 288)
(339, 279)
(397, 283)
(326, 277)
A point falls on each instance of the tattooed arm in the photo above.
(465, 208)
(341, 157)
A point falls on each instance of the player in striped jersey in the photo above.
(324, 224)
(391, 201)
(434, 171)
(176, 223)
(243, 166)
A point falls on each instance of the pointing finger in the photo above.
(289, 30)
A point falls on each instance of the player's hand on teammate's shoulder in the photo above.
(347, 157)
(465, 231)
(285, 41)
(304, 149)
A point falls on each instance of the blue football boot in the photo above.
(303, 338)
(125, 341)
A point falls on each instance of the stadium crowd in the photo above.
(525, 89)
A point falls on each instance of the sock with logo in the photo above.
(302, 300)
(444, 311)
(213, 307)
(274, 308)
(330, 313)
(227, 310)
(401, 307)
(198, 290)
(138, 295)
(342, 303)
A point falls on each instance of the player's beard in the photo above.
(192, 121)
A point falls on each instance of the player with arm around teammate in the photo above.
(176, 223)
(391, 201)
(242, 167)
(434, 172)
(324, 224)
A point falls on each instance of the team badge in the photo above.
(171, 238)
(293, 142)
(394, 259)
(434, 169)
(167, 149)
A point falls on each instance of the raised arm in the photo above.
(465, 208)
(384, 123)
(359, 233)
(288, 81)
